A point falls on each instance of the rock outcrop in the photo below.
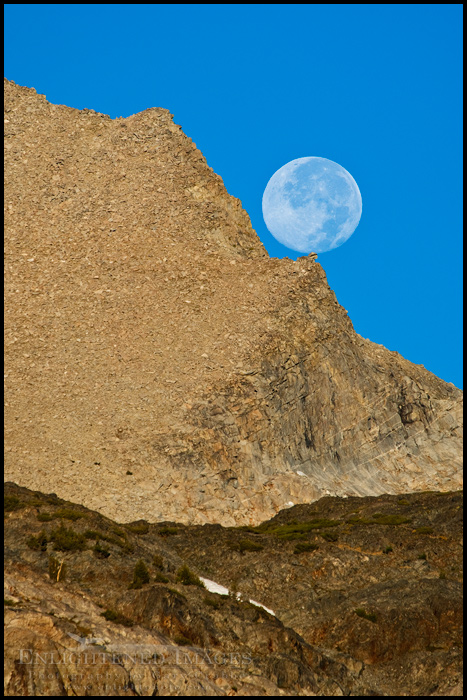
(160, 365)
(366, 594)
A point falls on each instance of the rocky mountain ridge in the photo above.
(160, 365)
(366, 594)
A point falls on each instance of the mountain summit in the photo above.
(160, 365)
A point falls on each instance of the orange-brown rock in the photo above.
(160, 365)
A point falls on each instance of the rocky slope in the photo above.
(160, 365)
(365, 592)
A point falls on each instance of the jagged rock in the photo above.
(147, 331)
(366, 594)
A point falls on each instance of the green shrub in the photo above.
(160, 578)
(366, 616)
(158, 562)
(422, 556)
(330, 536)
(53, 499)
(114, 616)
(35, 502)
(390, 519)
(12, 502)
(181, 640)
(57, 569)
(140, 527)
(92, 534)
(442, 574)
(140, 575)
(294, 527)
(403, 502)
(175, 592)
(356, 520)
(388, 549)
(246, 546)
(45, 517)
(424, 530)
(290, 536)
(165, 531)
(118, 531)
(212, 602)
(305, 547)
(188, 577)
(96, 535)
(66, 539)
(68, 513)
(38, 543)
(9, 602)
(100, 551)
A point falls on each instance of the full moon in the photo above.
(312, 205)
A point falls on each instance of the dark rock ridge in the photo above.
(160, 365)
(366, 594)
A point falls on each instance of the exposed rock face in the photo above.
(366, 594)
(147, 331)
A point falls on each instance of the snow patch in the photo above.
(214, 587)
(258, 605)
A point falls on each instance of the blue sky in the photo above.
(376, 88)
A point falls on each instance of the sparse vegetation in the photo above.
(67, 540)
(45, 517)
(366, 616)
(140, 575)
(38, 543)
(330, 536)
(422, 556)
(302, 547)
(53, 499)
(181, 640)
(442, 574)
(140, 527)
(246, 546)
(97, 535)
(390, 519)
(118, 618)
(68, 513)
(9, 602)
(175, 592)
(160, 578)
(212, 602)
(403, 502)
(166, 530)
(93, 534)
(294, 527)
(290, 536)
(12, 502)
(100, 551)
(356, 520)
(379, 519)
(388, 549)
(188, 577)
(424, 530)
(158, 562)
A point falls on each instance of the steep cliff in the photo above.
(160, 365)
